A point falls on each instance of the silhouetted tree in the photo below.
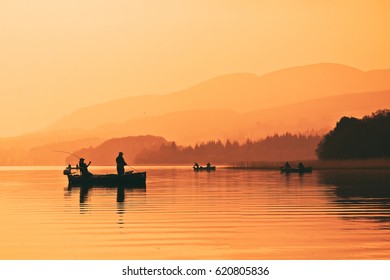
(353, 138)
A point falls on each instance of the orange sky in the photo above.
(57, 56)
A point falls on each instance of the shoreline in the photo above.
(315, 164)
(254, 165)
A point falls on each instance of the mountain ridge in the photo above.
(241, 92)
(206, 116)
(312, 116)
(204, 126)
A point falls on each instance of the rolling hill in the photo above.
(238, 92)
(307, 99)
(315, 116)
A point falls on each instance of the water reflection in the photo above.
(85, 193)
(292, 179)
(365, 194)
(120, 194)
(228, 214)
(85, 189)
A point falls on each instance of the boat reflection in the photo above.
(121, 190)
(136, 193)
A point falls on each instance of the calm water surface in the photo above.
(181, 214)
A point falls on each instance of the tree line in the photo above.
(277, 147)
(353, 138)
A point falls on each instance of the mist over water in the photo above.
(181, 214)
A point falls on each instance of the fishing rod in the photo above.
(67, 153)
(79, 158)
(133, 168)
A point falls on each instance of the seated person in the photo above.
(84, 168)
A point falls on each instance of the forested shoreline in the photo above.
(272, 148)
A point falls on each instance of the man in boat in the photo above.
(196, 165)
(287, 165)
(301, 166)
(84, 168)
(120, 164)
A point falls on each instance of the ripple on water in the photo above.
(187, 215)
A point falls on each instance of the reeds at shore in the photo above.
(317, 164)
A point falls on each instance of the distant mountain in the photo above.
(307, 99)
(29, 151)
(237, 92)
(105, 153)
(315, 116)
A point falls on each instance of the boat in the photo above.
(296, 170)
(204, 168)
(130, 178)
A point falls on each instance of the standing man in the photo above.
(120, 164)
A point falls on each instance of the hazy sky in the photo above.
(59, 55)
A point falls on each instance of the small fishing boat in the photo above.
(295, 170)
(128, 179)
(204, 168)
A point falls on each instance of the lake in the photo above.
(182, 214)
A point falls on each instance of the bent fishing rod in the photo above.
(79, 158)
(67, 153)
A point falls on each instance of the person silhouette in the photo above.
(84, 167)
(120, 164)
